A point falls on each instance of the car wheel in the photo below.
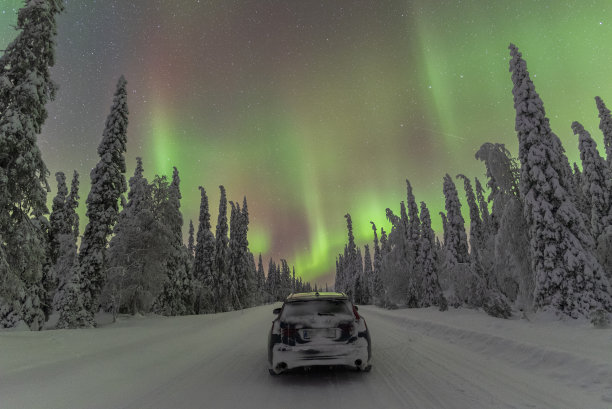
(271, 371)
(367, 368)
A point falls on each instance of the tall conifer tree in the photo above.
(476, 225)
(59, 225)
(413, 214)
(605, 124)
(72, 202)
(377, 287)
(221, 256)
(351, 271)
(568, 276)
(456, 241)
(368, 276)
(597, 186)
(432, 292)
(191, 240)
(137, 252)
(68, 299)
(234, 259)
(25, 89)
(107, 188)
(261, 280)
(204, 261)
(177, 295)
(483, 206)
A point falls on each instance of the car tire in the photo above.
(271, 372)
(367, 368)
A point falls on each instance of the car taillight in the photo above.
(289, 332)
(346, 328)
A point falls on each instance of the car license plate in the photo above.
(319, 333)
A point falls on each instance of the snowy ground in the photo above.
(422, 359)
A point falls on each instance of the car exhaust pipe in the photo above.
(358, 363)
(280, 367)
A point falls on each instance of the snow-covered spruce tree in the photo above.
(261, 282)
(398, 262)
(582, 201)
(204, 260)
(596, 182)
(137, 252)
(512, 273)
(483, 207)
(457, 245)
(220, 266)
(72, 202)
(70, 302)
(338, 277)
(483, 288)
(597, 187)
(64, 264)
(253, 282)
(237, 261)
(413, 230)
(177, 295)
(376, 283)
(413, 214)
(68, 299)
(59, 220)
(432, 292)
(360, 287)
(358, 290)
(191, 240)
(272, 281)
(285, 279)
(350, 268)
(444, 272)
(444, 227)
(481, 253)
(25, 89)
(568, 277)
(107, 188)
(503, 173)
(457, 259)
(63, 235)
(368, 275)
(59, 224)
(605, 124)
(477, 234)
(245, 263)
(384, 243)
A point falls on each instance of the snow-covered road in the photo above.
(422, 359)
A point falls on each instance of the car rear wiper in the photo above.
(326, 313)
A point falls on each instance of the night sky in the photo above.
(315, 109)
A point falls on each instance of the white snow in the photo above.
(422, 358)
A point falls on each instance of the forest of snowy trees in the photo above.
(131, 257)
(541, 239)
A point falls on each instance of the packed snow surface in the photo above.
(422, 358)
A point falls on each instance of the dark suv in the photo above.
(318, 329)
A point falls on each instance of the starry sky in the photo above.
(313, 109)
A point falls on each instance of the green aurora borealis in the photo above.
(316, 109)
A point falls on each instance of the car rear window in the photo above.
(301, 308)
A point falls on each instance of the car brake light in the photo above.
(347, 328)
(355, 313)
(289, 332)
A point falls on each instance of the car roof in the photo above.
(316, 296)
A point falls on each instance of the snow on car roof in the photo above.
(316, 296)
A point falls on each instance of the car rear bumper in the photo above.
(354, 354)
